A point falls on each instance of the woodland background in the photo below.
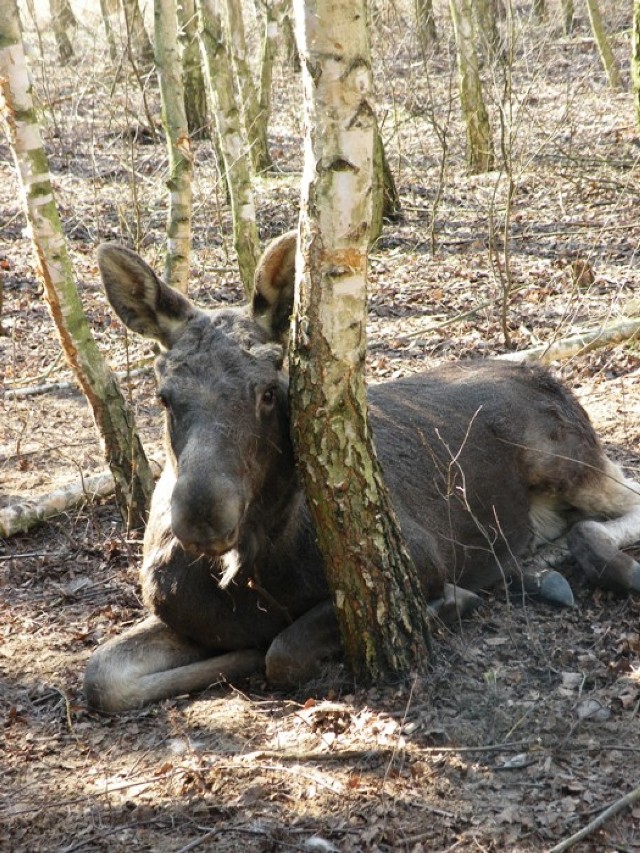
(527, 726)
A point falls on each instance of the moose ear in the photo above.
(274, 285)
(144, 303)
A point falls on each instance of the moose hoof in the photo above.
(555, 589)
(634, 577)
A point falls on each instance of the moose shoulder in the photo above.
(484, 462)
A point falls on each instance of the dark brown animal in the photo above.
(484, 460)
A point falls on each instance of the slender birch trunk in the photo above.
(137, 35)
(273, 31)
(63, 19)
(216, 63)
(195, 92)
(174, 121)
(488, 30)
(480, 154)
(123, 450)
(254, 117)
(106, 13)
(567, 16)
(604, 46)
(377, 595)
(635, 59)
(425, 24)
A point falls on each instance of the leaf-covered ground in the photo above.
(526, 727)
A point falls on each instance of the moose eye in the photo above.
(268, 398)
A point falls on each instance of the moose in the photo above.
(485, 462)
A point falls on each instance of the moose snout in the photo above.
(206, 519)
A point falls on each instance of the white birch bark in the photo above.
(125, 456)
(384, 627)
(195, 94)
(216, 64)
(254, 117)
(174, 120)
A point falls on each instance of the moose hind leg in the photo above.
(296, 654)
(596, 544)
(150, 662)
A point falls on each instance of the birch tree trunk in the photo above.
(480, 154)
(174, 121)
(376, 592)
(567, 16)
(487, 19)
(137, 36)
(275, 11)
(216, 62)
(425, 24)
(195, 93)
(635, 59)
(254, 117)
(62, 19)
(106, 12)
(123, 450)
(604, 47)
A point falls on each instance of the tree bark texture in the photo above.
(63, 19)
(480, 153)
(604, 46)
(123, 450)
(275, 14)
(254, 118)
(217, 65)
(137, 37)
(635, 59)
(195, 93)
(425, 24)
(174, 121)
(377, 596)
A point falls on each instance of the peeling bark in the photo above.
(122, 447)
(174, 120)
(377, 596)
(216, 62)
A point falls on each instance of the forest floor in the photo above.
(527, 724)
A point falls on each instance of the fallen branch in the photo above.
(22, 516)
(578, 344)
(47, 387)
(613, 809)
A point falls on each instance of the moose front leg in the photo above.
(150, 662)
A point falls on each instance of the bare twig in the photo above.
(587, 830)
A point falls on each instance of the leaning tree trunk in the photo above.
(125, 456)
(604, 47)
(635, 59)
(376, 592)
(174, 121)
(215, 60)
(254, 117)
(480, 155)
